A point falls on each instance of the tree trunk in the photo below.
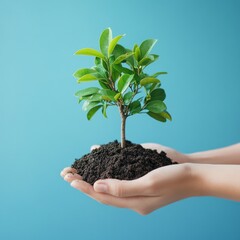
(123, 126)
(123, 130)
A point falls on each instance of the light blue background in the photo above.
(42, 128)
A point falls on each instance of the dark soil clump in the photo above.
(111, 161)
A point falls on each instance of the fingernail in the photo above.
(101, 187)
(74, 183)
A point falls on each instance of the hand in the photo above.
(143, 195)
(171, 183)
(154, 190)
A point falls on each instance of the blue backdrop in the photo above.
(42, 128)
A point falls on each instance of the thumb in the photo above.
(120, 188)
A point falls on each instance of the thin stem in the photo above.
(123, 126)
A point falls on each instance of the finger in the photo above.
(70, 177)
(122, 188)
(68, 170)
(93, 147)
(101, 197)
(141, 205)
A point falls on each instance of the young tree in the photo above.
(123, 82)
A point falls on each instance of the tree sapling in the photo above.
(123, 83)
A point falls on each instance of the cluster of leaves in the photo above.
(122, 80)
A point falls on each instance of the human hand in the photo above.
(156, 189)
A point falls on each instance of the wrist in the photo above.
(194, 176)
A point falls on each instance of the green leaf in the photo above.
(154, 86)
(90, 52)
(137, 52)
(98, 61)
(158, 94)
(157, 116)
(92, 111)
(166, 115)
(146, 60)
(122, 69)
(123, 57)
(87, 78)
(156, 106)
(104, 84)
(147, 46)
(148, 80)
(135, 107)
(131, 61)
(113, 44)
(95, 97)
(118, 50)
(83, 71)
(99, 72)
(105, 39)
(107, 94)
(89, 105)
(158, 73)
(117, 96)
(86, 92)
(127, 97)
(104, 109)
(124, 82)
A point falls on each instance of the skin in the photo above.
(198, 174)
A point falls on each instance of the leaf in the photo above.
(154, 86)
(137, 52)
(119, 50)
(104, 84)
(99, 72)
(158, 94)
(98, 61)
(90, 52)
(127, 97)
(148, 80)
(122, 69)
(86, 92)
(107, 94)
(131, 61)
(115, 74)
(146, 46)
(113, 44)
(166, 115)
(117, 96)
(104, 109)
(87, 78)
(158, 73)
(135, 107)
(123, 57)
(95, 97)
(83, 71)
(105, 39)
(89, 105)
(92, 111)
(156, 106)
(124, 82)
(146, 60)
(157, 116)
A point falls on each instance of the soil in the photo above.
(112, 161)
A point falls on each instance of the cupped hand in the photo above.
(156, 189)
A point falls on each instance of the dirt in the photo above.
(112, 161)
